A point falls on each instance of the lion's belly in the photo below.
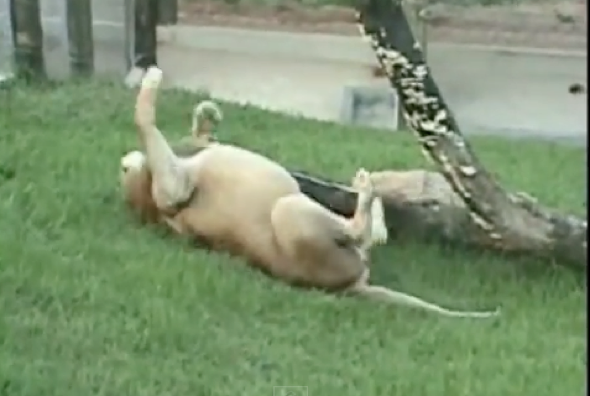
(237, 191)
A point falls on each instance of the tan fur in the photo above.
(206, 117)
(242, 202)
(136, 183)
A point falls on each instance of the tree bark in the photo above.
(80, 37)
(146, 20)
(511, 222)
(27, 36)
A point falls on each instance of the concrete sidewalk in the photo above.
(296, 86)
(490, 92)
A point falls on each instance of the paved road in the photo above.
(521, 96)
(490, 92)
(524, 95)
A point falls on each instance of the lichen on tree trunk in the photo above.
(511, 222)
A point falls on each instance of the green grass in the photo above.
(93, 304)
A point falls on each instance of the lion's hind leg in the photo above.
(360, 227)
(379, 232)
(320, 248)
(170, 180)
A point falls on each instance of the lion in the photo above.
(238, 201)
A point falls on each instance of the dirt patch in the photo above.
(544, 25)
(284, 17)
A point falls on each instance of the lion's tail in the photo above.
(206, 116)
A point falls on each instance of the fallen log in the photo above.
(511, 222)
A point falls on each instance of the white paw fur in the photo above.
(133, 160)
(379, 232)
(363, 184)
(152, 77)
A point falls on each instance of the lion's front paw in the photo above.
(152, 77)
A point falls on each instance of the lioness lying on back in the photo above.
(244, 203)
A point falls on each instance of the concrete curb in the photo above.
(284, 44)
(311, 45)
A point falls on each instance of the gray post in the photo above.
(80, 37)
(27, 35)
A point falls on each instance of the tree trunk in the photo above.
(511, 222)
(80, 38)
(27, 36)
(146, 20)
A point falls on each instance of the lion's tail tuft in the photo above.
(206, 116)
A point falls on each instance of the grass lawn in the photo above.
(92, 304)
